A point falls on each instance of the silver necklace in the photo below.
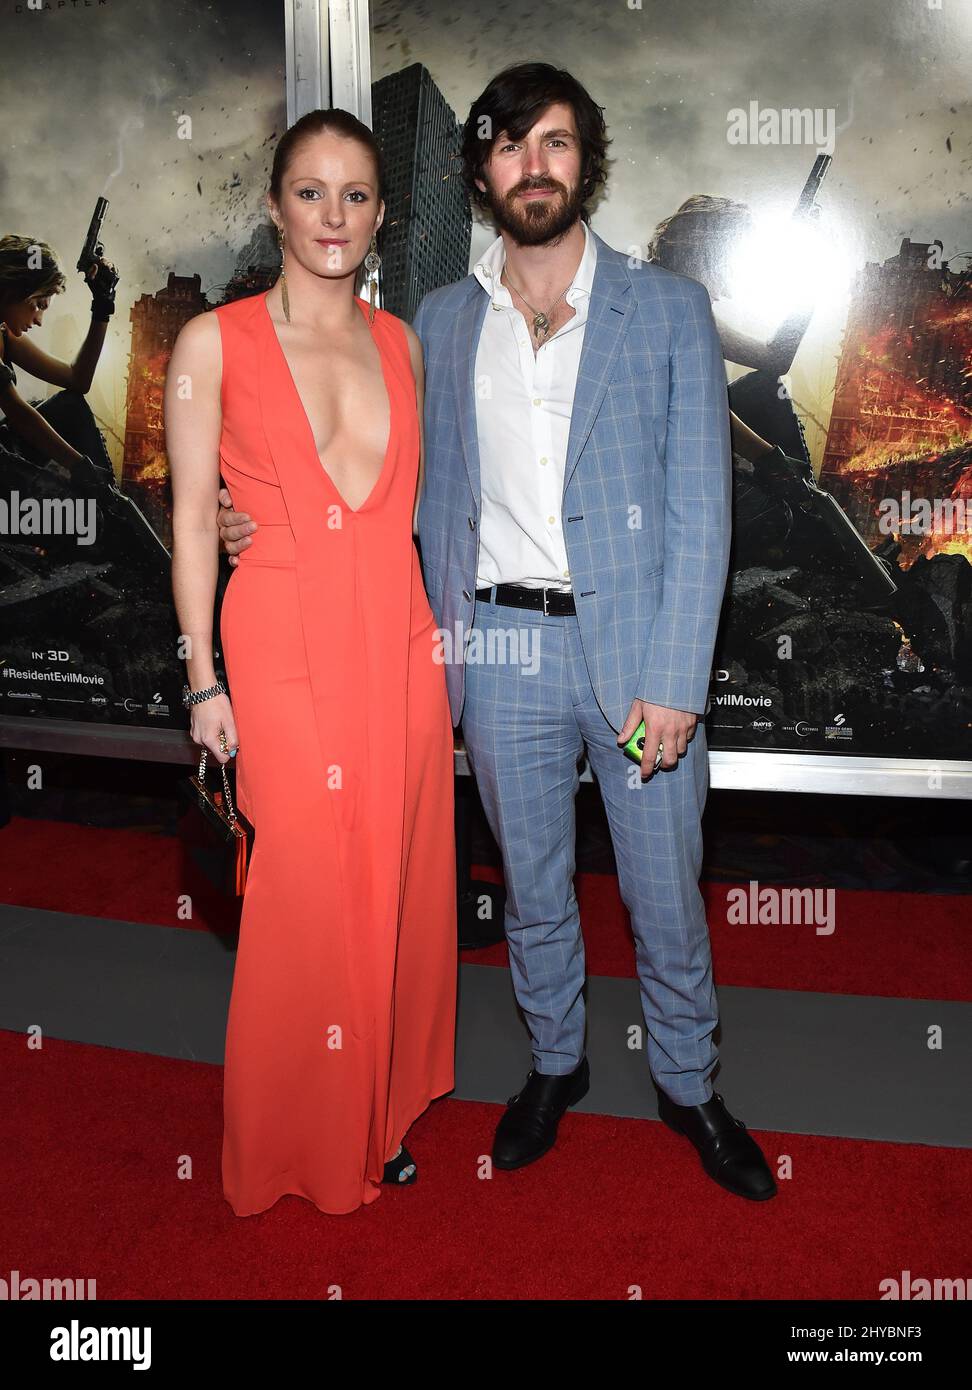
(541, 320)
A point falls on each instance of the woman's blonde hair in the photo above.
(697, 238)
(28, 269)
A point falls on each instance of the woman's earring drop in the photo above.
(285, 298)
(372, 264)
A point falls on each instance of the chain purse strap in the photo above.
(231, 814)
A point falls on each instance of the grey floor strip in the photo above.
(851, 1066)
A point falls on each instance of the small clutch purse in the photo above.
(220, 838)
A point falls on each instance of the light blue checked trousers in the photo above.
(529, 711)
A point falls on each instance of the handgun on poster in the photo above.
(92, 247)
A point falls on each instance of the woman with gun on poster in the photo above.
(777, 503)
(62, 429)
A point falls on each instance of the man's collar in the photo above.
(489, 268)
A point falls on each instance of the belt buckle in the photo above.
(546, 613)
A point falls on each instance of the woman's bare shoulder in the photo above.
(200, 335)
(197, 352)
(413, 341)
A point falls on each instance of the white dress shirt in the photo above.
(523, 409)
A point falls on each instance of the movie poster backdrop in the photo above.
(139, 132)
(809, 164)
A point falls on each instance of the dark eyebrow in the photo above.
(546, 136)
(311, 178)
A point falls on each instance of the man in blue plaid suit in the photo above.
(575, 525)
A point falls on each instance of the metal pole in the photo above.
(349, 28)
(307, 45)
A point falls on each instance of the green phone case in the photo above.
(635, 746)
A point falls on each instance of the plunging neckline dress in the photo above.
(342, 1014)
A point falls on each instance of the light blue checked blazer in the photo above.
(647, 483)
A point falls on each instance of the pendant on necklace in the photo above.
(540, 324)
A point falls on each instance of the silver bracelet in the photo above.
(196, 697)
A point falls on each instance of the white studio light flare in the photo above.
(784, 264)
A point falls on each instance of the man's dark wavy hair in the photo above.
(512, 102)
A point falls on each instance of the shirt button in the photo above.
(537, 400)
(543, 460)
(566, 574)
(551, 520)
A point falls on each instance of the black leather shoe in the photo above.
(728, 1151)
(529, 1126)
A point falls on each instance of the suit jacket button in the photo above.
(472, 524)
(466, 594)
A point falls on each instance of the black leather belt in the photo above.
(557, 603)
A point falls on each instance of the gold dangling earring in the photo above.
(372, 264)
(283, 278)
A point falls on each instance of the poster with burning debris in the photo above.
(138, 148)
(810, 165)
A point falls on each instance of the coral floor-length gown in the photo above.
(342, 1016)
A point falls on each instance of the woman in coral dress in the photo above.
(342, 1016)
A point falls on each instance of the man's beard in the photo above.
(536, 221)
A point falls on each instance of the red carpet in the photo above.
(902, 945)
(93, 1139)
(128, 875)
(906, 945)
